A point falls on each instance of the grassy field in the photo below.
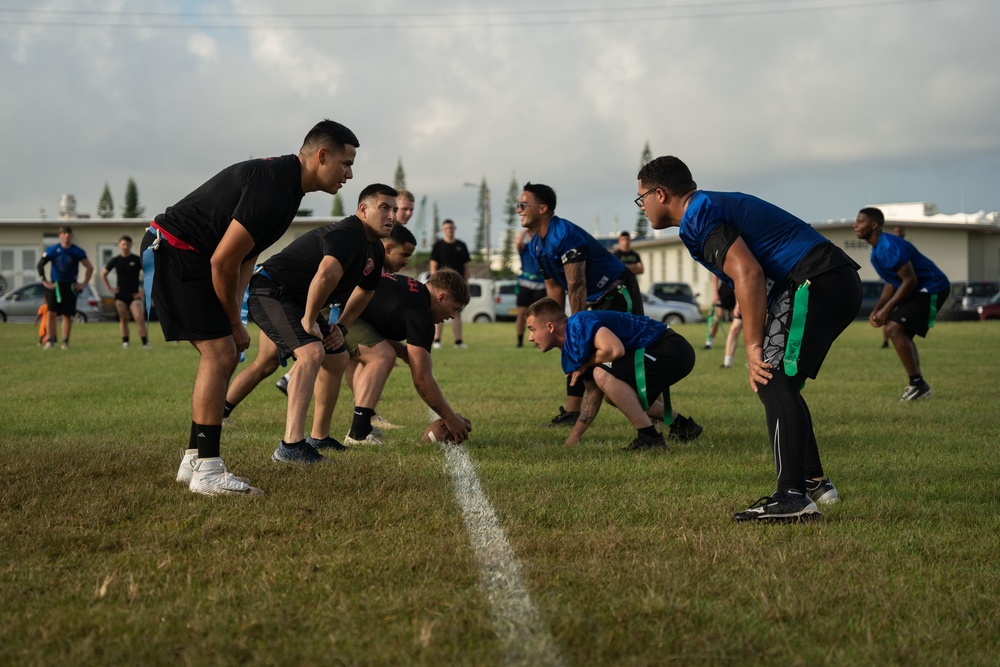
(630, 559)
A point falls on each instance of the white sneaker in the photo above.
(49, 345)
(380, 422)
(211, 478)
(125, 344)
(436, 345)
(147, 346)
(187, 466)
(372, 439)
(461, 346)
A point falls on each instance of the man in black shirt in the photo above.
(128, 293)
(203, 250)
(630, 258)
(450, 253)
(402, 309)
(335, 265)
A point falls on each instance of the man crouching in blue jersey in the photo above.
(630, 359)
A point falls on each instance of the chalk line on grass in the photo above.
(516, 621)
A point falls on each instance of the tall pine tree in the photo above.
(399, 180)
(338, 206)
(483, 229)
(132, 208)
(641, 223)
(510, 215)
(106, 206)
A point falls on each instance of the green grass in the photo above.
(631, 559)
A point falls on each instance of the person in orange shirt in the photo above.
(42, 316)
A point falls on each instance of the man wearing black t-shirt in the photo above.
(630, 258)
(450, 253)
(199, 254)
(128, 293)
(403, 309)
(289, 291)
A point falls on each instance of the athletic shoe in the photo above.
(187, 466)
(437, 345)
(380, 422)
(685, 428)
(885, 344)
(125, 344)
(726, 366)
(210, 477)
(647, 442)
(372, 438)
(564, 418)
(49, 345)
(821, 491)
(64, 346)
(188, 460)
(708, 345)
(461, 346)
(297, 452)
(282, 385)
(147, 346)
(916, 392)
(325, 443)
(781, 507)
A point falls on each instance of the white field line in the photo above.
(516, 622)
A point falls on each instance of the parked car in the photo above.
(481, 306)
(966, 297)
(505, 299)
(21, 304)
(670, 312)
(674, 292)
(991, 309)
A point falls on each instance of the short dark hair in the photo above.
(543, 193)
(331, 134)
(625, 235)
(125, 237)
(873, 214)
(400, 236)
(452, 282)
(547, 308)
(447, 221)
(670, 174)
(65, 229)
(374, 190)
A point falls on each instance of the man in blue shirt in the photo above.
(61, 291)
(530, 284)
(797, 291)
(631, 359)
(914, 290)
(576, 267)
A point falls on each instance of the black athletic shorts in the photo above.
(527, 296)
(624, 297)
(727, 297)
(279, 316)
(126, 298)
(918, 312)
(666, 362)
(62, 299)
(834, 301)
(184, 295)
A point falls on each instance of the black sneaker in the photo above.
(821, 491)
(282, 385)
(781, 507)
(914, 392)
(564, 418)
(297, 452)
(325, 443)
(685, 428)
(647, 442)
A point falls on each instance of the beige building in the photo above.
(966, 246)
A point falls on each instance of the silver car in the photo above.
(22, 304)
(670, 312)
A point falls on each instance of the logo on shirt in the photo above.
(369, 266)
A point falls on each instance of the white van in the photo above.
(481, 306)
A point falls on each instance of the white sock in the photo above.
(727, 360)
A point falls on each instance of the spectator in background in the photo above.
(128, 291)
(629, 257)
(405, 203)
(450, 253)
(62, 290)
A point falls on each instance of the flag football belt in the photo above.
(932, 318)
(614, 291)
(639, 359)
(800, 306)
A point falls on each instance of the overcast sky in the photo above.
(820, 106)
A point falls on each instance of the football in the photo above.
(437, 430)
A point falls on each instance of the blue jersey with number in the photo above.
(635, 332)
(65, 261)
(565, 243)
(776, 238)
(891, 253)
